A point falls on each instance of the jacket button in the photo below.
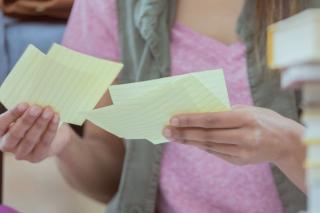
(136, 209)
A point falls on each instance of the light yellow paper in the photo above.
(212, 79)
(39, 79)
(145, 117)
(84, 63)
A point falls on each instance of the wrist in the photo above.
(293, 151)
(65, 141)
(291, 162)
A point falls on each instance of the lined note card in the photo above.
(144, 117)
(84, 63)
(212, 79)
(70, 82)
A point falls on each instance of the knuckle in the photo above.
(37, 157)
(185, 121)
(13, 137)
(207, 136)
(209, 151)
(6, 149)
(245, 138)
(27, 120)
(242, 153)
(209, 144)
(14, 112)
(179, 134)
(209, 120)
(19, 157)
(247, 117)
(46, 141)
(2, 130)
(34, 160)
(246, 155)
(52, 128)
(40, 123)
(174, 134)
(249, 140)
(29, 140)
(251, 120)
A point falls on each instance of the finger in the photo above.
(11, 116)
(229, 119)
(18, 131)
(223, 136)
(34, 134)
(229, 158)
(32, 4)
(225, 149)
(51, 131)
(41, 150)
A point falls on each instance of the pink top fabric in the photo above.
(191, 181)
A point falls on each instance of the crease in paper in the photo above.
(212, 79)
(145, 115)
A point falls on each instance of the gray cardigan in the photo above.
(144, 30)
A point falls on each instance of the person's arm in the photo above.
(291, 162)
(93, 165)
(245, 135)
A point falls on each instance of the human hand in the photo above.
(31, 133)
(243, 135)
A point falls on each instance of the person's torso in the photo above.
(192, 180)
(93, 29)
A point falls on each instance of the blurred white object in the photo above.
(295, 40)
(296, 76)
(294, 48)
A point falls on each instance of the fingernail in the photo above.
(174, 122)
(22, 107)
(35, 111)
(167, 133)
(47, 114)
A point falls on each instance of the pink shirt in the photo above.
(191, 181)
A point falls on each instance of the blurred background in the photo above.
(35, 188)
(39, 188)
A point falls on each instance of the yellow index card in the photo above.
(145, 116)
(39, 79)
(212, 79)
(83, 63)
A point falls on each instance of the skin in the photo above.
(93, 164)
(244, 135)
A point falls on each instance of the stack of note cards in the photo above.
(141, 110)
(66, 80)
